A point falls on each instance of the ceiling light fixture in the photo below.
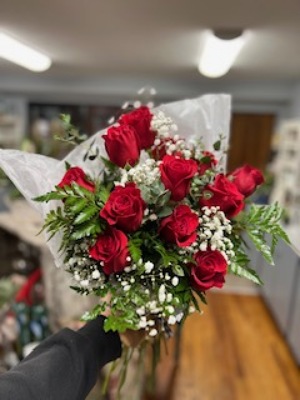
(18, 53)
(220, 51)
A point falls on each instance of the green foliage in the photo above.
(165, 212)
(55, 221)
(92, 314)
(168, 256)
(245, 272)
(102, 194)
(86, 214)
(116, 324)
(262, 220)
(79, 290)
(79, 218)
(155, 194)
(72, 134)
(217, 145)
(58, 194)
(178, 270)
(88, 229)
(134, 246)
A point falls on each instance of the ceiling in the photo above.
(114, 39)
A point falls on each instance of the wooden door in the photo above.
(250, 140)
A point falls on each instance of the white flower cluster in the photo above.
(145, 173)
(85, 270)
(162, 308)
(173, 145)
(162, 124)
(159, 307)
(212, 232)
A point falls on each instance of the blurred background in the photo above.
(87, 59)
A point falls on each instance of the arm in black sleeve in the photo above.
(65, 366)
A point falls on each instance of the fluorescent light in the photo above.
(18, 53)
(219, 54)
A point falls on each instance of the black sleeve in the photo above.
(65, 366)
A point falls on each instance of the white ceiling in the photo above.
(109, 39)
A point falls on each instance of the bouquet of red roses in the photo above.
(156, 223)
(158, 226)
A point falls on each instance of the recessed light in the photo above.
(220, 51)
(19, 53)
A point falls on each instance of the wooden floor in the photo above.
(232, 352)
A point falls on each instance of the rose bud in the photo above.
(208, 161)
(111, 248)
(246, 179)
(223, 193)
(176, 174)
(76, 175)
(208, 271)
(124, 208)
(180, 227)
(140, 120)
(121, 145)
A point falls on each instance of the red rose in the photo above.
(121, 145)
(111, 248)
(140, 120)
(76, 175)
(124, 208)
(208, 161)
(246, 179)
(180, 227)
(224, 194)
(176, 174)
(209, 270)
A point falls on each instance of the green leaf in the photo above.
(261, 245)
(205, 160)
(50, 196)
(87, 229)
(163, 198)
(168, 257)
(119, 324)
(86, 214)
(247, 273)
(77, 206)
(196, 304)
(217, 145)
(165, 212)
(66, 118)
(103, 194)
(94, 313)
(78, 289)
(282, 234)
(203, 297)
(261, 220)
(70, 201)
(178, 270)
(82, 192)
(67, 165)
(135, 250)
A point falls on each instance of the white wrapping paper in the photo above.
(205, 117)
